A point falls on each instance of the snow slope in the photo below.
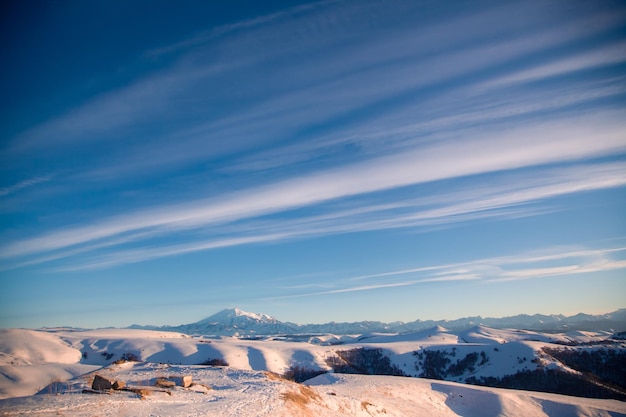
(229, 392)
(26, 347)
(30, 360)
(25, 352)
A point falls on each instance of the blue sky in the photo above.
(333, 160)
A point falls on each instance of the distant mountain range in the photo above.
(236, 322)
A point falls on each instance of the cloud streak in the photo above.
(6, 191)
(553, 142)
(327, 86)
(483, 271)
(493, 201)
(609, 55)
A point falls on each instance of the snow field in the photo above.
(242, 393)
(59, 364)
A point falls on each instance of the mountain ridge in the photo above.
(237, 322)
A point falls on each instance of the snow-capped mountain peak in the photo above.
(230, 315)
(234, 321)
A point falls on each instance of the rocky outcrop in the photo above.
(165, 383)
(117, 385)
(181, 381)
(101, 384)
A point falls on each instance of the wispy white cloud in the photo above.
(351, 289)
(209, 35)
(87, 248)
(341, 80)
(541, 144)
(23, 184)
(403, 132)
(139, 255)
(504, 267)
(456, 107)
(608, 55)
(561, 270)
(483, 271)
(482, 201)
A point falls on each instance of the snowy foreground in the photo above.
(57, 365)
(242, 393)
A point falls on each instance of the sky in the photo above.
(316, 161)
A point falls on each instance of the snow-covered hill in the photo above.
(229, 392)
(31, 359)
(236, 322)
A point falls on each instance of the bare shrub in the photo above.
(214, 362)
(300, 373)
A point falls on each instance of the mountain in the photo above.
(235, 316)
(236, 322)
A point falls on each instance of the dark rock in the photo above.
(164, 383)
(90, 391)
(119, 385)
(101, 384)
